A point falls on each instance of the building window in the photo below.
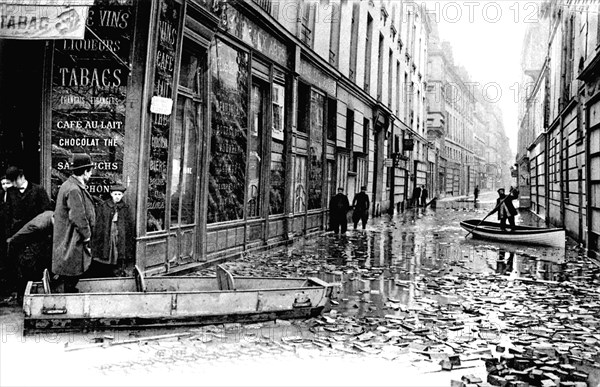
(390, 79)
(331, 119)
(303, 107)
(360, 167)
(349, 128)
(380, 67)
(299, 184)
(334, 40)
(368, 44)
(229, 122)
(398, 89)
(277, 178)
(366, 130)
(354, 40)
(308, 23)
(315, 178)
(406, 97)
(342, 170)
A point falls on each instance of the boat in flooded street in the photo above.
(554, 237)
(131, 302)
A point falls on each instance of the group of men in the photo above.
(37, 237)
(339, 207)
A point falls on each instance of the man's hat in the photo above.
(81, 160)
(118, 187)
(363, 188)
(500, 189)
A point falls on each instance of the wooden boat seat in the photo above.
(224, 279)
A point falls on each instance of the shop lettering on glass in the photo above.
(89, 89)
(227, 170)
(168, 36)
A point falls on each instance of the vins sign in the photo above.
(408, 144)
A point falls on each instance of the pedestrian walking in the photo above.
(416, 196)
(32, 245)
(361, 205)
(424, 195)
(476, 193)
(74, 220)
(505, 208)
(338, 212)
(112, 242)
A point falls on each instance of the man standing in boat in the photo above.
(506, 209)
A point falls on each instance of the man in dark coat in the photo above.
(113, 240)
(476, 193)
(505, 208)
(74, 220)
(24, 200)
(338, 212)
(32, 244)
(416, 196)
(424, 195)
(361, 206)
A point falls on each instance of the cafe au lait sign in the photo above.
(43, 19)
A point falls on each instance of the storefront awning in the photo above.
(43, 19)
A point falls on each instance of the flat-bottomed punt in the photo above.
(554, 237)
(138, 302)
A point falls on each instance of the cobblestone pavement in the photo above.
(413, 292)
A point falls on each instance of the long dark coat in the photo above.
(74, 220)
(101, 239)
(22, 207)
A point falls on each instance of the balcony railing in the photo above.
(264, 4)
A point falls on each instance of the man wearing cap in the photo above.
(338, 210)
(74, 220)
(361, 206)
(112, 246)
(24, 200)
(505, 208)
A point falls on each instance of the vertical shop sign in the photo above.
(89, 88)
(229, 122)
(168, 38)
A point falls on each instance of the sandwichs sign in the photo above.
(43, 19)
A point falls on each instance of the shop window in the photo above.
(255, 151)
(315, 178)
(299, 184)
(349, 128)
(277, 182)
(183, 162)
(227, 168)
(303, 107)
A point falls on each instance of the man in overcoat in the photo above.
(338, 212)
(74, 220)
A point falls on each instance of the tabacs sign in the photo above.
(43, 19)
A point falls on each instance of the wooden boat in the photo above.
(129, 302)
(554, 237)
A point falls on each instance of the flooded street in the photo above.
(411, 292)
